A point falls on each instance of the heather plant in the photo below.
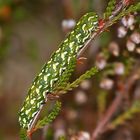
(118, 69)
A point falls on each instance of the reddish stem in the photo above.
(108, 115)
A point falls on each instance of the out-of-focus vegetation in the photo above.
(107, 105)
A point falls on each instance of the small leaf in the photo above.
(48, 119)
(23, 134)
(66, 75)
(109, 9)
(76, 83)
(126, 11)
(126, 115)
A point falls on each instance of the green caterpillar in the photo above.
(54, 70)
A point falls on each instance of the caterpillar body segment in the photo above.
(60, 66)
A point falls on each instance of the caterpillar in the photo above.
(54, 70)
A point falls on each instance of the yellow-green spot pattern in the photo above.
(54, 70)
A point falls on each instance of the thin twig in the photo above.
(110, 112)
(123, 89)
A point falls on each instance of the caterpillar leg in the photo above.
(107, 30)
(30, 132)
(81, 60)
(52, 96)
